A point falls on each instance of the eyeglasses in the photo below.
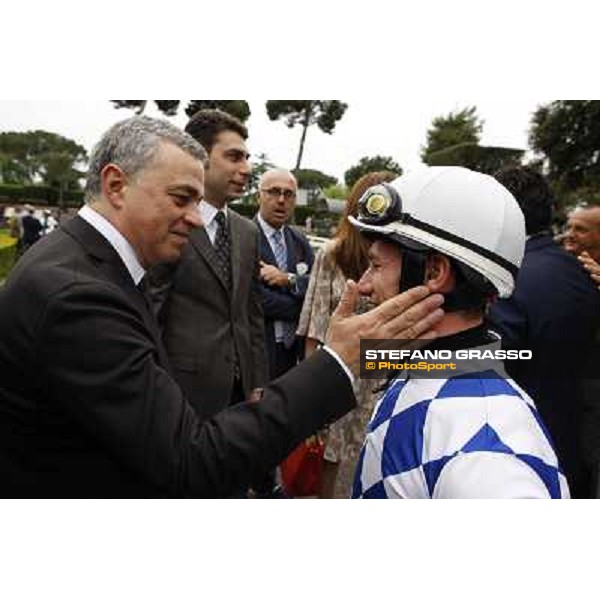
(276, 192)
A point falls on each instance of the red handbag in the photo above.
(302, 470)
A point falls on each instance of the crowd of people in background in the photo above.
(232, 315)
(27, 225)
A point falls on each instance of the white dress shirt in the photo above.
(208, 213)
(116, 239)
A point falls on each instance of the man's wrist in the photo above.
(342, 364)
(292, 280)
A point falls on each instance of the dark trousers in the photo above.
(237, 392)
(285, 359)
(265, 485)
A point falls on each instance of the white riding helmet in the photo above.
(461, 213)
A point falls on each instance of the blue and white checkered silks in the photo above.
(457, 438)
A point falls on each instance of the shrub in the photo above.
(8, 254)
(38, 194)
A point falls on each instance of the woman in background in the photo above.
(344, 257)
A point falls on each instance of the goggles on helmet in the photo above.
(379, 205)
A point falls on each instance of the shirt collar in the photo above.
(116, 239)
(208, 212)
(269, 231)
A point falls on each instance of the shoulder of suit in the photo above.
(241, 221)
(297, 232)
(63, 270)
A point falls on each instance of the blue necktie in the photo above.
(280, 252)
(288, 328)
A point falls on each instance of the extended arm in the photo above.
(107, 376)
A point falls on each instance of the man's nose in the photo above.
(245, 167)
(364, 284)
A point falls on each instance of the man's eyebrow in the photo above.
(238, 152)
(184, 188)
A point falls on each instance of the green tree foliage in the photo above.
(237, 108)
(370, 164)
(259, 166)
(40, 156)
(461, 127)
(11, 193)
(566, 134)
(485, 159)
(309, 179)
(167, 107)
(138, 105)
(337, 192)
(324, 113)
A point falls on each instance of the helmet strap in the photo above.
(460, 298)
(412, 271)
(470, 291)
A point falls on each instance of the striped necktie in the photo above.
(222, 249)
(280, 251)
(288, 328)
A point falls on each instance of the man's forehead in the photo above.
(588, 216)
(384, 249)
(230, 140)
(171, 157)
(278, 178)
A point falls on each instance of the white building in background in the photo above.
(317, 199)
(302, 197)
(335, 205)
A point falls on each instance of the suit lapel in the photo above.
(201, 243)
(265, 251)
(114, 269)
(292, 252)
(235, 238)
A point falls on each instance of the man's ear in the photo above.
(439, 275)
(113, 182)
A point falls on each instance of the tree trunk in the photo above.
(305, 124)
(61, 197)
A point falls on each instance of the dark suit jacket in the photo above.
(203, 323)
(32, 230)
(281, 304)
(555, 311)
(88, 407)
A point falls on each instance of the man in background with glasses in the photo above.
(286, 260)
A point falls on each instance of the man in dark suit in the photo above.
(286, 260)
(212, 315)
(88, 407)
(32, 228)
(555, 311)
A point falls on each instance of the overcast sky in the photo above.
(386, 125)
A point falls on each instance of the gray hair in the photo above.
(132, 144)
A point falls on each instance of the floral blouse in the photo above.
(346, 436)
